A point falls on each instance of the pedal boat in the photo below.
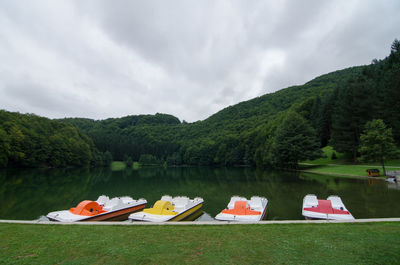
(330, 209)
(169, 209)
(104, 208)
(243, 210)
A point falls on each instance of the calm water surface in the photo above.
(29, 194)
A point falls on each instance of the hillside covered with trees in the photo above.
(27, 140)
(274, 130)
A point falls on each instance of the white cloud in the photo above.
(101, 59)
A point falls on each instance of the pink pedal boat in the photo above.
(330, 209)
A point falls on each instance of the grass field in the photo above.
(350, 170)
(342, 165)
(352, 243)
(118, 165)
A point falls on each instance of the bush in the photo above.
(148, 159)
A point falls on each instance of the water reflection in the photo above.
(28, 194)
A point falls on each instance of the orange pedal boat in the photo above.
(241, 209)
(115, 209)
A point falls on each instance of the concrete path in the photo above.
(207, 222)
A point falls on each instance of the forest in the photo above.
(27, 140)
(274, 130)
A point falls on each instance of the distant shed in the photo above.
(373, 172)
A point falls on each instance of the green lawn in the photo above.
(342, 165)
(355, 170)
(118, 165)
(352, 243)
(327, 157)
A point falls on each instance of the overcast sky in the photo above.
(101, 59)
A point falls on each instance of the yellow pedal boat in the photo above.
(169, 209)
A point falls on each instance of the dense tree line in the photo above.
(331, 109)
(229, 137)
(374, 93)
(27, 140)
(132, 136)
(274, 130)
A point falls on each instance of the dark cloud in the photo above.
(104, 59)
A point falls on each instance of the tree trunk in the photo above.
(383, 166)
(354, 155)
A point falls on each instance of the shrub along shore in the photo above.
(344, 243)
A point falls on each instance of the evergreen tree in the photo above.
(108, 158)
(128, 161)
(324, 118)
(294, 140)
(352, 110)
(4, 148)
(395, 48)
(391, 90)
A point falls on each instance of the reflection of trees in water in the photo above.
(284, 192)
(364, 198)
(100, 175)
(375, 199)
(31, 193)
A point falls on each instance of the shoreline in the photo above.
(341, 175)
(125, 223)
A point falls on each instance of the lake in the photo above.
(28, 194)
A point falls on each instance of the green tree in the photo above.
(16, 144)
(377, 143)
(294, 140)
(4, 148)
(390, 85)
(324, 119)
(148, 159)
(395, 48)
(128, 161)
(107, 158)
(174, 159)
(353, 109)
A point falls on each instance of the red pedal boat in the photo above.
(330, 209)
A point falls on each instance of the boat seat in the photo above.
(127, 200)
(336, 202)
(233, 200)
(180, 203)
(114, 204)
(256, 203)
(166, 198)
(103, 199)
(310, 201)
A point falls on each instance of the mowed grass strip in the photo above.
(351, 243)
(350, 170)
